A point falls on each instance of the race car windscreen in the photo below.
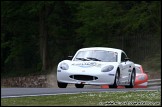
(138, 70)
(96, 55)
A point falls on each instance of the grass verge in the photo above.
(131, 98)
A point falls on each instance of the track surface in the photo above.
(21, 92)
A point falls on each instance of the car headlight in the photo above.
(107, 68)
(141, 77)
(64, 66)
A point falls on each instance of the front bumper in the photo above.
(86, 77)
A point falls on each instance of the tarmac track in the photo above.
(23, 92)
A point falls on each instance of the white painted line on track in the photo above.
(41, 95)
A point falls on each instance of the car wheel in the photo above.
(133, 75)
(61, 85)
(116, 81)
(79, 85)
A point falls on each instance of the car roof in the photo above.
(101, 48)
(137, 65)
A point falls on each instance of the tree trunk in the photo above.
(43, 38)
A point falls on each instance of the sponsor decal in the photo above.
(111, 74)
(129, 70)
(83, 71)
(58, 70)
(87, 64)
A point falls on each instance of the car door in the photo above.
(125, 71)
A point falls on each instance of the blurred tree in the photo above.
(36, 35)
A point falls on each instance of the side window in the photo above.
(123, 56)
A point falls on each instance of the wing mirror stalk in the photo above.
(126, 59)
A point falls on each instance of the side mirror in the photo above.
(126, 59)
(70, 57)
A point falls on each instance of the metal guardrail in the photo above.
(154, 82)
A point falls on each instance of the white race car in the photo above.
(97, 66)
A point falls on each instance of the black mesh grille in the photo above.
(83, 77)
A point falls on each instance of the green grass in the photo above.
(89, 99)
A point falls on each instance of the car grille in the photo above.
(83, 77)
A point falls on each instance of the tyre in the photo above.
(79, 85)
(61, 85)
(116, 81)
(132, 82)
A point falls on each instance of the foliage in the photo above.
(35, 34)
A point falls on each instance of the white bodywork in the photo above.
(91, 71)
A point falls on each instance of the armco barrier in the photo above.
(154, 82)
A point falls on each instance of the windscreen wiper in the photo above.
(83, 59)
(94, 59)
